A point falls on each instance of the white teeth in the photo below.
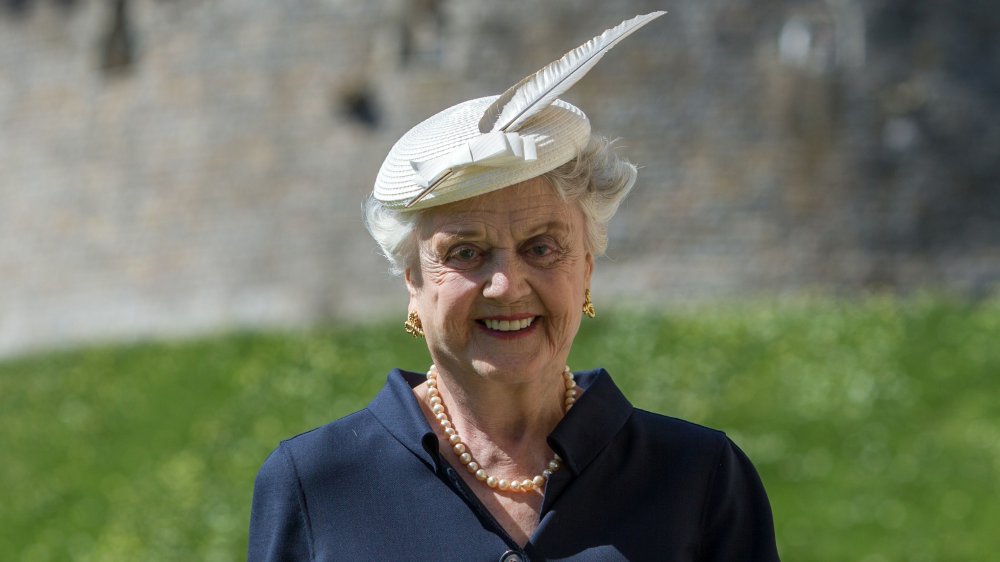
(508, 325)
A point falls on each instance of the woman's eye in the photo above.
(465, 254)
(540, 250)
(543, 251)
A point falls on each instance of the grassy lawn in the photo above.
(875, 424)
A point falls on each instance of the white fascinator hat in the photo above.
(485, 144)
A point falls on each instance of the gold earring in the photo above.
(588, 306)
(413, 325)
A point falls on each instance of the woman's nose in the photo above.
(506, 281)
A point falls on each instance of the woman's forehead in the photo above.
(529, 206)
(535, 190)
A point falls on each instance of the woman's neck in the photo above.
(509, 415)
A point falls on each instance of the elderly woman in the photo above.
(493, 211)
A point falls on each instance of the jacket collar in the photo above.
(592, 422)
(587, 428)
(397, 409)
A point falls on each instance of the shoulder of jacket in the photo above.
(339, 441)
(679, 432)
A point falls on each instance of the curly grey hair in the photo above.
(597, 179)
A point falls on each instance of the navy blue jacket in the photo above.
(634, 486)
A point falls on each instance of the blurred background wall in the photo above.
(176, 166)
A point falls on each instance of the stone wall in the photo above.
(176, 166)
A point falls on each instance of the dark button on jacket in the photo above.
(634, 486)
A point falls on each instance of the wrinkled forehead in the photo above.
(520, 209)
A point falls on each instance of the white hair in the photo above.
(597, 179)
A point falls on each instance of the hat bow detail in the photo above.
(496, 148)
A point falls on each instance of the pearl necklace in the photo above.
(536, 482)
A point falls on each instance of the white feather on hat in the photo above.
(489, 143)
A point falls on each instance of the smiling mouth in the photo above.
(507, 325)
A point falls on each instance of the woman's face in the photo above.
(500, 282)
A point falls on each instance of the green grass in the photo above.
(875, 424)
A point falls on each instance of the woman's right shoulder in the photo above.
(339, 442)
(280, 526)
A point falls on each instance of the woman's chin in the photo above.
(510, 368)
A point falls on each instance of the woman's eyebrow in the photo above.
(459, 233)
(448, 237)
(556, 227)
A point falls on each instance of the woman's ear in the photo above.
(411, 286)
(589, 269)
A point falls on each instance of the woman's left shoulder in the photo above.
(736, 518)
(669, 437)
(675, 432)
